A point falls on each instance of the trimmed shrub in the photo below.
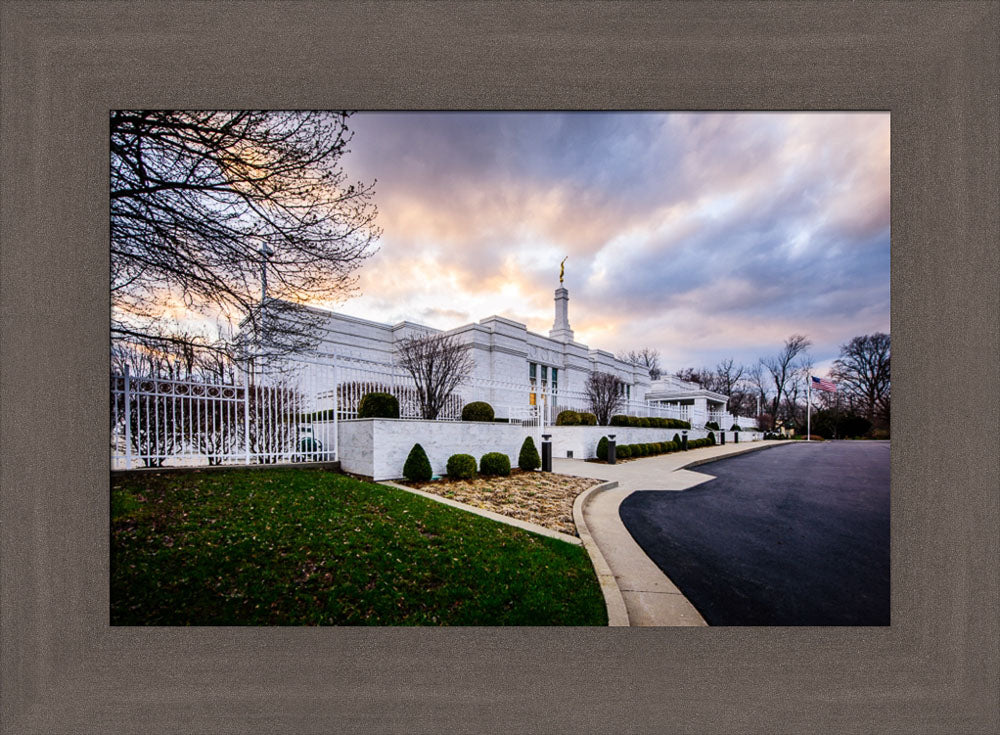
(602, 448)
(644, 422)
(711, 438)
(494, 464)
(462, 466)
(713, 425)
(623, 452)
(880, 434)
(619, 419)
(378, 406)
(477, 411)
(651, 448)
(528, 459)
(568, 418)
(588, 419)
(735, 427)
(664, 447)
(417, 467)
(677, 439)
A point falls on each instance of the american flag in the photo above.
(823, 384)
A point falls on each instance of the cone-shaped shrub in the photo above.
(711, 438)
(528, 459)
(417, 467)
(602, 448)
(496, 464)
(461, 466)
(677, 439)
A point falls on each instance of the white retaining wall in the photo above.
(378, 448)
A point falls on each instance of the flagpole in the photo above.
(809, 404)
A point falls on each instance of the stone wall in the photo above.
(378, 448)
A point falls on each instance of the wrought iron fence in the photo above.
(289, 412)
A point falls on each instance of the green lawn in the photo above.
(310, 547)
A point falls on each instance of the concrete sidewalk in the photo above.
(651, 599)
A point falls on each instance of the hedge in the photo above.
(654, 422)
(568, 418)
(417, 467)
(623, 452)
(462, 466)
(588, 419)
(528, 459)
(477, 411)
(378, 406)
(496, 464)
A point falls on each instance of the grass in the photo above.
(310, 547)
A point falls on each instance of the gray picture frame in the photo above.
(932, 65)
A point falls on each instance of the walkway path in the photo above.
(650, 597)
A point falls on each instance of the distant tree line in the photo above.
(774, 388)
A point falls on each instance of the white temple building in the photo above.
(516, 370)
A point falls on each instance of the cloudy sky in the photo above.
(703, 235)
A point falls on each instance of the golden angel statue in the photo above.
(562, 270)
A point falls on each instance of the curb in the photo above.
(613, 600)
(517, 523)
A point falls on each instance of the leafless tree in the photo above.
(781, 368)
(647, 357)
(605, 395)
(198, 198)
(438, 364)
(863, 374)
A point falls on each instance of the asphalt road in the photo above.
(795, 535)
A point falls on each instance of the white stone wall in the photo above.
(582, 440)
(378, 448)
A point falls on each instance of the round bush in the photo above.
(568, 418)
(619, 419)
(602, 448)
(417, 467)
(623, 452)
(496, 464)
(713, 425)
(477, 411)
(378, 406)
(462, 466)
(664, 447)
(528, 459)
(588, 419)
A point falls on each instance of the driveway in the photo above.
(797, 535)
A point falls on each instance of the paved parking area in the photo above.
(796, 535)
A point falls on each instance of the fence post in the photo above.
(336, 410)
(128, 421)
(246, 415)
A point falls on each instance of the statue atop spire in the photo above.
(562, 270)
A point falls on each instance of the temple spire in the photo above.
(560, 328)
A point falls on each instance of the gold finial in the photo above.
(562, 270)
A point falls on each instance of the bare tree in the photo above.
(781, 368)
(700, 377)
(863, 374)
(203, 204)
(647, 357)
(605, 395)
(758, 384)
(438, 364)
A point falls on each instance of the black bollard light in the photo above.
(611, 449)
(684, 439)
(723, 433)
(546, 453)
(736, 437)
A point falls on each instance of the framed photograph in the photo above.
(73, 661)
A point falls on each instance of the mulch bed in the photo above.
(544, 498)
